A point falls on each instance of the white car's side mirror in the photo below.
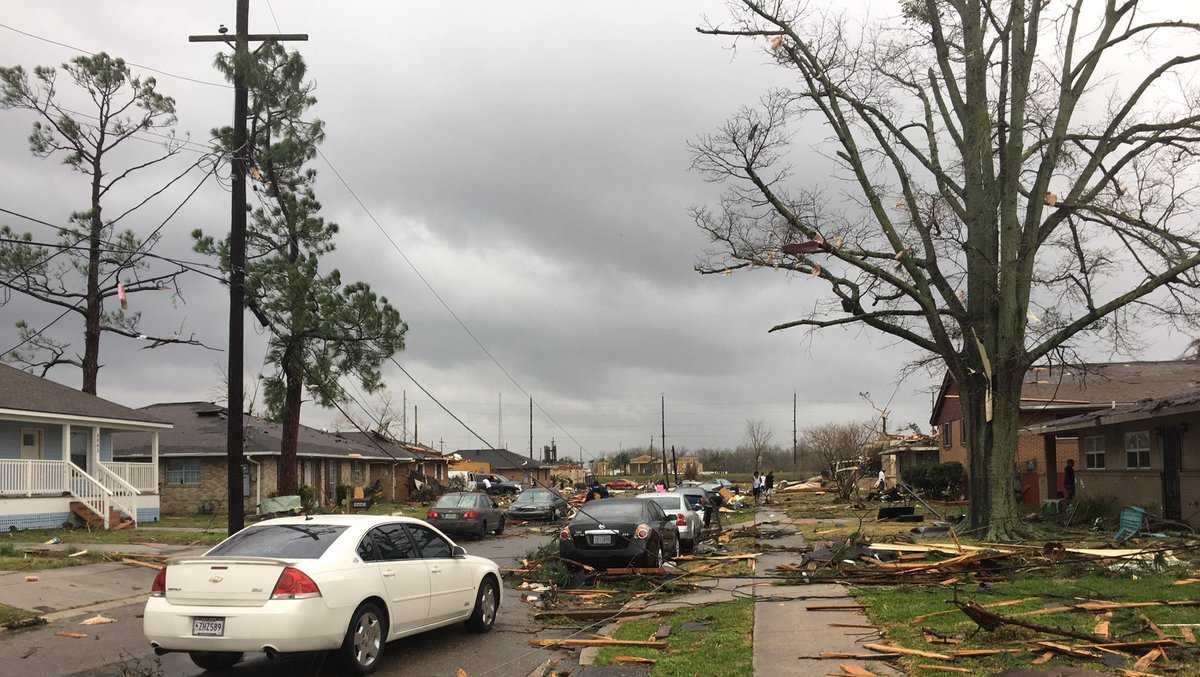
(458, 552)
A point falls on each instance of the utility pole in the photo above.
(404, 417)
(416, 422)
(500, 419)
(794, 460)
(235, 456)
(530, 426)
(666, 478)
(674, 465)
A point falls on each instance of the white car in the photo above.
(689, 522)
(344, 583)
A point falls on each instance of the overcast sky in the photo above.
(530, 159)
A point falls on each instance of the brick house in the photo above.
(192, 472)
(1055, 392)
(1145, 454)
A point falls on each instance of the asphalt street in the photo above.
(120, 650)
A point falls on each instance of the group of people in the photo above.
(762, 486)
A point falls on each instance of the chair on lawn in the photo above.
(1133, 520)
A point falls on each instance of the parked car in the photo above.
(697, 498)
(716, 485)
(539, 504)
(622, 483)
(688, 522)
(620, 532)
(496, 484)
(318, 584)
(466, 512)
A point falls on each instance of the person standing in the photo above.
(770, 486)
(756, 487)
(1069, 479)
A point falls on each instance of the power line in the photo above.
(439, 403)
(116, 270)
(131, 63)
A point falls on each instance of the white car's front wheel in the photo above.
(487, 605)
(365, 639)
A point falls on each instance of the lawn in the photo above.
(724, 647)
(12, 559)
(11, 614)
(216, 522)
(894, 608)
(145, 535)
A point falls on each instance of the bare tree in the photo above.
(1020, 179)
(758, 439)
(839, 448)
(381, 415)
(111, 263)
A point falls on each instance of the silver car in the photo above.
(689, 521)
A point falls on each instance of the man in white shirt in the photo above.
(487, 484)
(882, 483)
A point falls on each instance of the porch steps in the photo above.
(116, 518)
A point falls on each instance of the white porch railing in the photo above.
(25, 477)
(140, 475)
(88, 491)
(120, 492)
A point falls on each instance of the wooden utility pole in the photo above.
(674, 465)
(237, 247)
(404, 417)
(794, 459)
(530, 426)
(666, 478)
(416, 423)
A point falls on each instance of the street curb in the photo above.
(64, 614)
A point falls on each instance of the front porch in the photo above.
(53, 467)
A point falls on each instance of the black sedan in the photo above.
(620, 532)
(538, 504)
(469, 513)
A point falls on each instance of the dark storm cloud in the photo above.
(531, 160)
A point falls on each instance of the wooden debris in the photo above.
(98, 620)
(1068, 650)
(140, 563)
(1011, 602)
(944, 668)
(603, 641)
(1132, 646)
(585, 614)
(1145, 661)
(982, 653)
(1044, 658)
(1101, 629)
(641, 571)
(889, 648)
(1187, 581)
(934, 637)
(856, 671)
(855, 656)
(80, 553)
(31, 579)
(1188, 635)
(633, 660)
(71, 635)
(990, 622)
(847, 607)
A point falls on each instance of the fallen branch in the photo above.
(990, 622)
(889, 648)
(604, 641)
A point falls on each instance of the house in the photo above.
(192, 459)
(645, 465)
(1145, 454)
(570, 471)
(601, 467)
(56, 457)
(900, 455)
(512, 465)
(689, 466)
(1060, 391)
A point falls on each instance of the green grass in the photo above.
(407, 509)
(11, 614)
(193, 521)
(84, 536)
(12, 559)
(893, 609)
(725, 647)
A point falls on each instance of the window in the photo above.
(299, 541)
(1137, 449)
(431, 545)
(947, 434)
(183, 472)
(394, 544)
(1093, 453)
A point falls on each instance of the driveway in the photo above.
(119, 649)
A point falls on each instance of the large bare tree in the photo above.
(1016, 178)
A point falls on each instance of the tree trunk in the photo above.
(94, 304)
(991, 451)
(293, 374)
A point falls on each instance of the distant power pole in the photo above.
(674, 465)
(500, 419)
(794, 430)
(235, 456)
(404, 417)
(663, 402)
(416, 429)
(530, 426)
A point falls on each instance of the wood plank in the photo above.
(1068, 650)
(1145, 661)
(633, 660)
(995, 605)
(545, 643)
(890, 648)
(944, 668)
(856, 671)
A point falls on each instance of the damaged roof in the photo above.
(22, 391)
(1185, 402)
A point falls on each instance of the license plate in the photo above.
(208, 627)
(602, 539)
(450, 516)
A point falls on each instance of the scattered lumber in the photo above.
(140, 563)
(982, 653)
(633, 660)
(891, 648)
(1187, 581)
(1044, 658)
(1069, 650)
(79, 553)
(600, 641)
(1011, 602)
(641, 571)
(71, 635)
(944, 668)
(856, 671)
(1100, 607)
(990, 622)
(1145, 661)
(841, 655)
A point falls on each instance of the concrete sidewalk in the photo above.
(71, 587)
(785, 630)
